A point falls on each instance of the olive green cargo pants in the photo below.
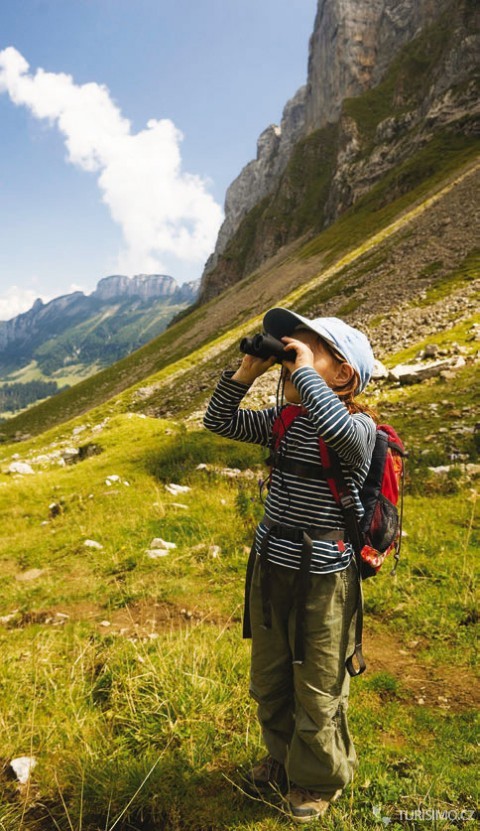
(302, 708)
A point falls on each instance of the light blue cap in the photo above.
(349, 342)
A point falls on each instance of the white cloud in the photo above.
(163, 212)
(17, 300)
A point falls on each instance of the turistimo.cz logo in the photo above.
(425, 815)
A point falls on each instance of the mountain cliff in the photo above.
(386, 79)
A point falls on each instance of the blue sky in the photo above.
(129, 173)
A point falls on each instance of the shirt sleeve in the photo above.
(224, 417)
(352, 436)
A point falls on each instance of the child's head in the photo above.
(342, 354)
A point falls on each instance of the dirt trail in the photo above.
(449, 687)
(453, 688)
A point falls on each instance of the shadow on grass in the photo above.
(175, 798)
(178, 455)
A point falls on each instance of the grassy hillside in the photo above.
(67, 347)
(126, 676)
(450, 171)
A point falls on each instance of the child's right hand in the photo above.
(251, 368)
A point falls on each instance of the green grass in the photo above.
(466, 272)
(147, 722)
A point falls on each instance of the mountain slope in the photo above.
(396, 244)
(138, 713)
(75, 333)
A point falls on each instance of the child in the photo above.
(303, 626)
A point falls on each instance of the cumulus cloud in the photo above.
(163, 211)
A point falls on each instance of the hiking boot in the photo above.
(305, 805)
(266, 777)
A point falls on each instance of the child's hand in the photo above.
(251, 368)
(303, 355)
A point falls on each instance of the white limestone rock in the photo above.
(22, 767)
(20, 467)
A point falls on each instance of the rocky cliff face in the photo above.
(352, 45)
(145, 286)
(384, 77)
(260, 176)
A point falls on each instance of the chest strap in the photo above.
(292, 533)
(307, 470)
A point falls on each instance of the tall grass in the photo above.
(146, 723)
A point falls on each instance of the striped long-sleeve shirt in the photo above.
(294, 500)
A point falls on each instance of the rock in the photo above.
(351, 47)
(20, 467)
(214, 551)
(110, 480)
(97, 428)
(70, 455)
(379, 371)
(22, 767)
(42, 459)
(85, 451)
(7, 618)
(176, 489)
(146, 286)
(157, 542)
(30, 574)
(430, 351)
(230, 472)
(259, 177)
(93, 544)
(414, 373)
(154, 553)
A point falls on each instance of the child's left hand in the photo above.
(303, 354)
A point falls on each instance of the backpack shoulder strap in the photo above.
(341, 493)
(344, 499)
(283, 421)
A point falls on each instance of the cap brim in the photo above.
(281, 322)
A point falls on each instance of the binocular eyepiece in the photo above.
(266, 346)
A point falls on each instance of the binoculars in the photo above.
(266, 346)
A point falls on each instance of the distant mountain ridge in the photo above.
(80, 332)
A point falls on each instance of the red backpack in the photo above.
(379, 533)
